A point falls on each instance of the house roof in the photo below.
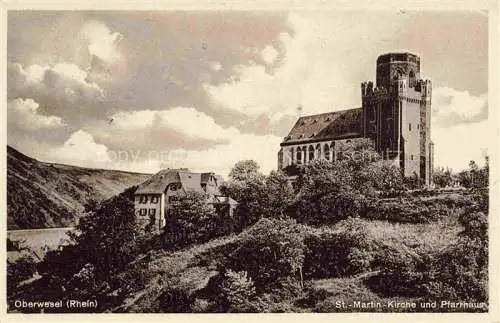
(191, 181)
(158, 183)
(325, 126)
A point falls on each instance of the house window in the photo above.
(143, 212)
(326, 152)
(155, 199)
(299, 156)
(143, 199)
(152, 211)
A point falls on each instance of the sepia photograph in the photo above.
(247, 161)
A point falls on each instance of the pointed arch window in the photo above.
(311, 152)
(299, 155)
(326, 151)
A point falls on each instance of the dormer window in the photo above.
(327, 119)
(313, 134)
(301, 136)
(314, 121)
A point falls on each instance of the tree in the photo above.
(234, 293)
(327, 193)
(277, 195)
(22, 269)
(193, 216)
(475, 177)
(109, 236)
(271, 250)
(379, 176)
(258, 195)
(443, 177)
(243, 170)
(107, 239)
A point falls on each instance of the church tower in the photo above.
(396, 114)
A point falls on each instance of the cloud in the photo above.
(460, 127)
(102, 42)
(451, 107)
(148, 131)
(80, 149)
(317, 64)
(221, 158)
(181, 137)
(62, 89)
(23, 115)
(456, 146)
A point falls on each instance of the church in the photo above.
(395, 114)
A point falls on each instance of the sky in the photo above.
(146, 90)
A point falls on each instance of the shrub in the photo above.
(270, 250)
(458, 273)
(22, 269)
(175, 300)
(234, 293)
(192, 219)
(327, 193)
(345, 252)
(404, 273)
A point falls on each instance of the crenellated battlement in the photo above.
(369, 92)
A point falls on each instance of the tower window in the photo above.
(411, 157)
(409, 126)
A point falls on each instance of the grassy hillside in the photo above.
(352, 260)
(190, 269)
(43, 195)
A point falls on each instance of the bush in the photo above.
(175, 300)
(192, 219)
(340, 253)
(327, 194)
(404, 273)
(272, 249)
(416, 209)
(234, 293)
(458, 273)
(22, 269)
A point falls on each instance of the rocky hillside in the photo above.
(42, 195)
